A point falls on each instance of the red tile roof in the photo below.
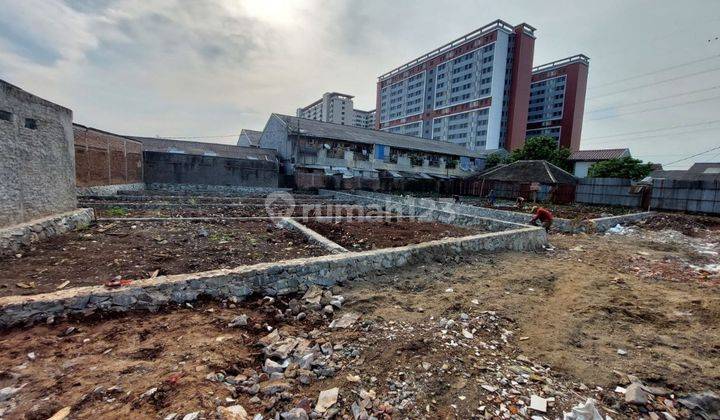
(599, 154)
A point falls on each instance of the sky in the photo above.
(206, 69)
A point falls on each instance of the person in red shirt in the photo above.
(543, 215)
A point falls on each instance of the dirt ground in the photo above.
(572, 212)
(245, 211)
(365, 235)
(469, 337)
(135, 250)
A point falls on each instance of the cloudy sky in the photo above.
(211, 67)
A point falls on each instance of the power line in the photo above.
(656, 109)
(690, 157)
(653, 130)
(655, 136)
(656, 83)
(656, 71)
(656, 99)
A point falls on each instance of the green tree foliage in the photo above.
(543, 148)
(494, 160)
(624, 167)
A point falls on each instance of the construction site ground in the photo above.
(305, 210)
(575, 211)
(365, 235)
(133, 250)
(473, 336)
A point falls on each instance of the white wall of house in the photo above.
(581, 169)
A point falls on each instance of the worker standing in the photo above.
(491, 197)
(543, 215)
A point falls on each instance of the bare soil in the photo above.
(135, 250)
(568, 309)
(572, 212)
(244, 211)
(366, 235)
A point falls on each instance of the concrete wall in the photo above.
(105, 159)
(607, 191)
(37, 166)
(172, 168)
(691, 196)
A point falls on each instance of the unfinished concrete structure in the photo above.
(37, 161)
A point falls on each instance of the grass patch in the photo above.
(117, 211)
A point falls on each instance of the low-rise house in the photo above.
(249, 138)
(583, 159)
(307, 146)
(534, 180)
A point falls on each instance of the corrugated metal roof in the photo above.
(528, 171)
(313, 128)
(155, 144)
(598, 154)
(705, 168)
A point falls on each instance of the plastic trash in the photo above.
(585, 411)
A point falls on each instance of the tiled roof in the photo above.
(598, 155)
(327, 130)
(540, 171)
(155, 144)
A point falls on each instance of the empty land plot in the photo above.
(135, 250)
(366, 235)
(309, 210)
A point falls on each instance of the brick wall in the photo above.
(37, 162)
(103, 158)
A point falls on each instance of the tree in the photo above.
(543, 148)
(624, 167)
(494, 160)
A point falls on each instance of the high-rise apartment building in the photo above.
(473, 91)
(557, 100)
(335, 107)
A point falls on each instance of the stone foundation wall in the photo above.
(275, 278)
(563, 225)
(13, 238)
(108, 190)
(201, 188)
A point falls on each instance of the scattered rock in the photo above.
(635, 394)
(61, 415)
(326, 399)
(345, 321)
(233, 412)
(239, 321)
(295, 414)
(195, 415)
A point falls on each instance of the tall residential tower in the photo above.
(474, 91)
(557, 100)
